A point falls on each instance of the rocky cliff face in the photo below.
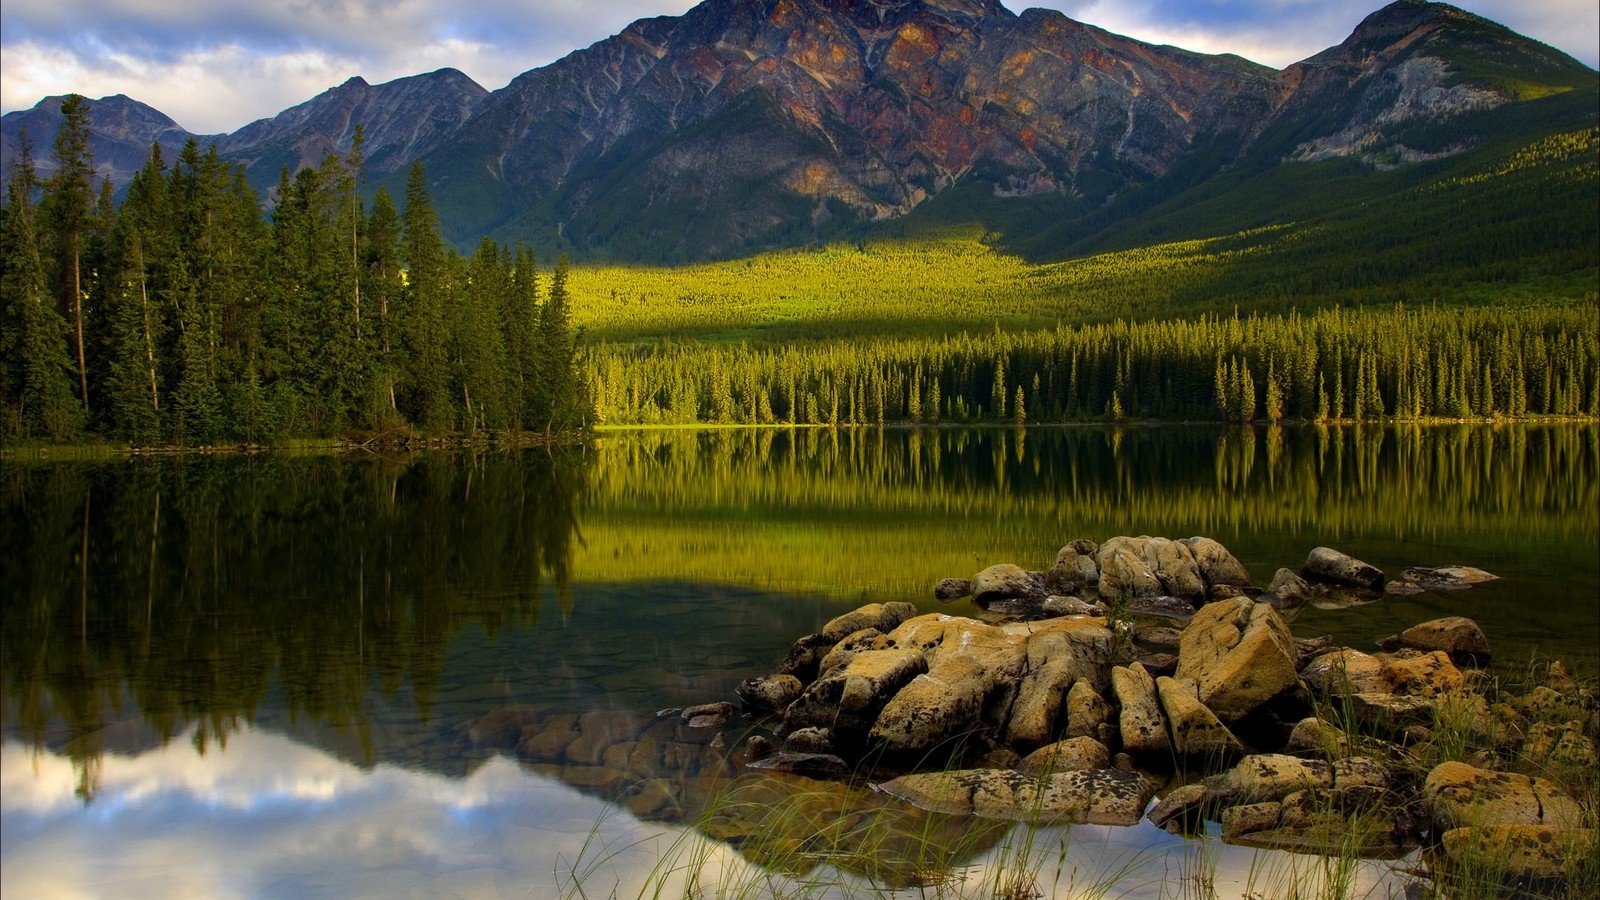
(745, 124)
(403, 119)
(123, 130)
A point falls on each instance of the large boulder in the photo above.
(1238, 654)
(1196, 732)
(1343, 672)
(848, 699)
(1273, 776)
(1007, 582)
(1217, 565)
(1329, 566)
(1287, 593)
(934, 707)
(883, 616)
(1054, 662)
(1517, 853)
(1457, 636)
(1071, 755)
(1095, 796)
(770, 693)
(1457, 795)
(1074, 571)
(1144, 729)
(1148, 567)
(1087, 711)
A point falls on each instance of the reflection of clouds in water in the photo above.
(269, 817)
(272, 818)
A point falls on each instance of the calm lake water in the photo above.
(306, 676)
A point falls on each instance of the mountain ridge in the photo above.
(744, 125)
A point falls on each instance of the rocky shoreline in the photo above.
(1143, 678)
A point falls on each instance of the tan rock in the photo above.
(1344, 672)
(883, 616)
(934, 707)
(1070, 755)
(848, 646)
(848, 699)
(1217, 565)
(1006, 582)
(1124, 572)
(1074, 570)
(1518, 852)
(1458, 795)
(1055, 660)
(1416, 674)
(1195, 730)
(1457, 636)
(1144, 730)
(1239, 654)
(1097, 796)
(772, 693)
(1086, 710)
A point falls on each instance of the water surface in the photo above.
(252, 676)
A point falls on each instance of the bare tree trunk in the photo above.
(77, 314)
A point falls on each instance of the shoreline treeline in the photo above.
(184, 315)
(1331, 365)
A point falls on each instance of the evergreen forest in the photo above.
(181, 313)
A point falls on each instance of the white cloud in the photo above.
(215, 65)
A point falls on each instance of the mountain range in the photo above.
(745, 125)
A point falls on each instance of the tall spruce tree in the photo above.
(67, 209)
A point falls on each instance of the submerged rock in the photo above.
(1457, 636)
(1329, 566)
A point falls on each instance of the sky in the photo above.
(216, 65)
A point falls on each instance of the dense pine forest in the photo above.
(185, 315)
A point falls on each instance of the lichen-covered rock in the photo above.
(952, 589)
(1288, 592)
(1070, 755)
(1457, 795)
(1195, 731)
(1054, 662)
(1238, 654)
(1182, 810)
(1414, 674)
(1518, 853)
(848, 647)
(849, 698)
(1457, 636)
(1323, 822)
(1269, 776)
(1217, 565)
(814, 739)
(770, 693)
(1074, 570)
(1329, 566)
(883, 616)
(1148, 567)
(934, 707)
(1444, 578)
(1313, 737)
(1006, 582)
(1087, 710)
(804, 656)
(1343, 672)
(1096, 796)
(1144, 730)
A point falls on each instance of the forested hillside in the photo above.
(186, 316)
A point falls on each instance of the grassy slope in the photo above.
(1507, 224)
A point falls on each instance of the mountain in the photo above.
(403, 120)
(122, 130)
(751, 124)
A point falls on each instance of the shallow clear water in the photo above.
(269, 675)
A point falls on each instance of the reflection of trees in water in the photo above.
(190, 587)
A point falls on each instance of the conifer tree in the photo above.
(67, 209)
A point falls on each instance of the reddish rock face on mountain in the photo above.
(747, 124)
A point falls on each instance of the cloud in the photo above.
(215, 65)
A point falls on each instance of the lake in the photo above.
(304, 675)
